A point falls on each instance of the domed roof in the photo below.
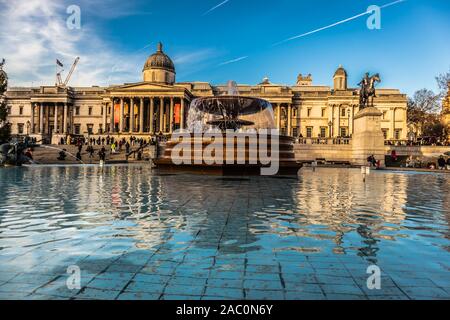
(340, 71)
(159, 60)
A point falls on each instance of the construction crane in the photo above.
(71, 71)
(58, 75)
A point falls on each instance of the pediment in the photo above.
(146, 86)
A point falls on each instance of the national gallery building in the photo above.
(159, 104)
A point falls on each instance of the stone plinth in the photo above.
(368, 138)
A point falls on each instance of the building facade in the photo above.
(160, 104)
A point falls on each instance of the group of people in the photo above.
(115, 145)
(442, 164)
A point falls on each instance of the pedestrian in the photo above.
(441, 163)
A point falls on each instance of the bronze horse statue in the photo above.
(368, 90)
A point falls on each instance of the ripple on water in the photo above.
(83, 212)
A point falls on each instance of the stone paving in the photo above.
(252, 239)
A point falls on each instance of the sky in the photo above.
(220, 40)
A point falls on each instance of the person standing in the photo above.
(441, 163)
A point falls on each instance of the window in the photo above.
(77, 111)
(324, 112)
(309, 131)
(90, 111)
(309, 112)
(295, 132)
(384, 115)
(20, 128)
(101, 112)
(77, 128)
(398, 134)
(100, 127)
(343, 131)
(343, 112)
(385, 133)
(21, 110)
(9, 109)
(323, 132)
(90, 128)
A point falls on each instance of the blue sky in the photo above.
(115, 38)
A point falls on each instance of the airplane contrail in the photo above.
(214, 8)
(336, 23)
(232, 61)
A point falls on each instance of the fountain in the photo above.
(230, 135)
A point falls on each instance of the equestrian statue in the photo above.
(367, 91)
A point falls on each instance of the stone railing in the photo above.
(324, 141)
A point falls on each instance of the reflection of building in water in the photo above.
(160, 104)
(341, 202)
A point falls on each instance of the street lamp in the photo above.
(330, 126)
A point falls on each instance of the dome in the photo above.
(340, 72)
(159, 60)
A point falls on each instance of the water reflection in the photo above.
(73, 212)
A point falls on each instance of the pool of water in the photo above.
(135, 234)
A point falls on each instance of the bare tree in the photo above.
(442, 81)
(423, 111)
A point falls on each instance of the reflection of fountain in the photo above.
(240, 129)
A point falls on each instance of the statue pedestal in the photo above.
(368, 139)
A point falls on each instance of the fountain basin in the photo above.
(229, 135)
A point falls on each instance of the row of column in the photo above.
(43, 113)
(158, 112)
(278, 111)
(334, 118)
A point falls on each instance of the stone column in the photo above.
(182, 114)
(41, 118)
(152, 113)
(105, 116)
(289, 116)
(392, 123)
(65, 114)
(171, 116)
(112, 124)
(131, 114)
(278, 116)
(339, 120)
(32, 118)
(56, 119)
(122, 114)
(161, 114)
(141, 115)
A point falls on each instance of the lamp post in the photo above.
(330, 126)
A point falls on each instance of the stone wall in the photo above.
(344, 153)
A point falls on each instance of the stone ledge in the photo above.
(368, 112)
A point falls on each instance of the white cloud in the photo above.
(33, 34)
